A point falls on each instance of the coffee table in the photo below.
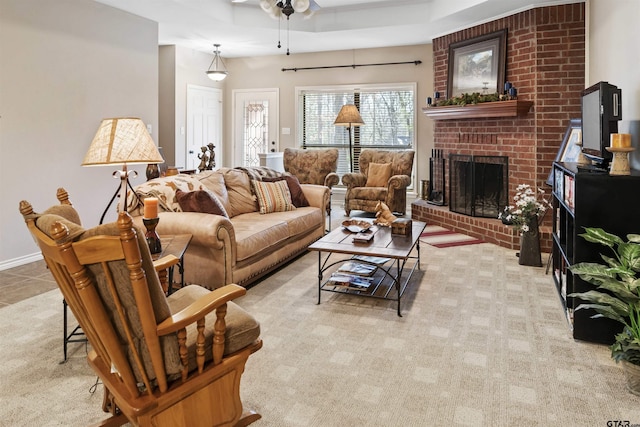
(389, 280)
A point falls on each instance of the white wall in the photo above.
(64, 66)
(613, 38)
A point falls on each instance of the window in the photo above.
(388, 112)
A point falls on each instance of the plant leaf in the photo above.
(598, 235)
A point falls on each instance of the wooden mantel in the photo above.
(512, 108)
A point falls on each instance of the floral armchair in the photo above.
(313, 167)
(384, 176)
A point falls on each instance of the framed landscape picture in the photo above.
(477, 65)
(569, 149)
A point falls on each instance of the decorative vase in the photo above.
(632, 377)
(530, 245)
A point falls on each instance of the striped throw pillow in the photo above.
(273, 196)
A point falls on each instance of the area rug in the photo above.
(441, 237)
(482, 341)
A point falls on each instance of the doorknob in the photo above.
(190, 151)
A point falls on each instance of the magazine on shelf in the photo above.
(354, 267)
(351, 281)
(372, 259)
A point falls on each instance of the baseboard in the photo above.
(17, 262)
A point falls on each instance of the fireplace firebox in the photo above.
(478, 185)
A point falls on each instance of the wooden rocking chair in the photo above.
(164, 361)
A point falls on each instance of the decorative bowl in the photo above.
(356, 226)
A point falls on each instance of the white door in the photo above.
(204, 125)
(255, 125)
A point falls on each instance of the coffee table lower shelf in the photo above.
(388, 281)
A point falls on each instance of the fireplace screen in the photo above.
(478, 185)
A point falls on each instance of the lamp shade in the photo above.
(349, 116)
(122, 141)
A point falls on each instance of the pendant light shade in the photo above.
(217, 70)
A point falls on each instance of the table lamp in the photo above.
(349, 116)
(121, 141)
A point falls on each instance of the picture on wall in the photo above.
(477, 65)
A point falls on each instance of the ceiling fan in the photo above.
(275, 8)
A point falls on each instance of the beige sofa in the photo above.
(245, 245)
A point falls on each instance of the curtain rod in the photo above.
(352, 66)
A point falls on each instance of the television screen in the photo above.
(601, 110)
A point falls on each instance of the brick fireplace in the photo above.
(545, 61)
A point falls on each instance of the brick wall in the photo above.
(545, 61)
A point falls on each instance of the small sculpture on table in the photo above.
(384, 217)
(212, 156)
(204, 159)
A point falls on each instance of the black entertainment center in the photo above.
(589, 196)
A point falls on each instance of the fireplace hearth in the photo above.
(478, 185)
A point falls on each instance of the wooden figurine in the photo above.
(384, 217)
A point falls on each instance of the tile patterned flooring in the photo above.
(26, 281)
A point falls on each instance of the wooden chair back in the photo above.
(139, 348)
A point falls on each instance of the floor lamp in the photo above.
(122, 141)
(349, 116)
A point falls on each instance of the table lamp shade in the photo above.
(349, 116)
(122, 141)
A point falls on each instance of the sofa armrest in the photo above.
(331, 179)
(316, 195)
(354, 180)
(397, 182)
(213, 238)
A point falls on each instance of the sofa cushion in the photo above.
(257, 233)
(297, 195)
(273, 196)
(203, 201)
(301, 220)
(378, 174)
(241, 199)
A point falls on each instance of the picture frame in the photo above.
(569, 150)
(477, 65)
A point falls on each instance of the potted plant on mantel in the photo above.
(618, 297)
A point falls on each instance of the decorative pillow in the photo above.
(214, 181)
(273, 196)
(200, 201)
(297, 195)
(241, 199)
(164, 188)
(378, 174)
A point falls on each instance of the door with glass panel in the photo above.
(255, 125)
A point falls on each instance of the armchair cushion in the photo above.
(200, 201)
(379, 174)
(297, 195)
(273, 196)
(241, 328)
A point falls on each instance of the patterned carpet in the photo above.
(482, 342)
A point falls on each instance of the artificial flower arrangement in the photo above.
(526, 207)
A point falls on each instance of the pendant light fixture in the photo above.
(216, 72)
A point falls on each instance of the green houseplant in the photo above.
(617, 296)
